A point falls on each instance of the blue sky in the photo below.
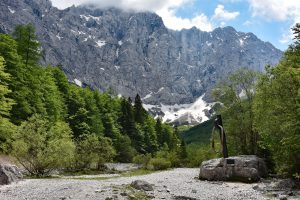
(270, 20)
(267, 28)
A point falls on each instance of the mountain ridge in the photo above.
(133, 52)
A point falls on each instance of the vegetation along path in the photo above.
(178, 183)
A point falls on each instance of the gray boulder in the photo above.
(9, 174)
(141, 185)
(245, 168)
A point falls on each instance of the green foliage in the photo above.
(142, 159)
(150, 138)
(124, 148)
(92, 149)
(28, 45)
(236, 95)
(158, 164)
(199, 134)
(6, 127)
(7, 130)
(5, 102)
(50, 112)
(196, 154)
(276, 109)
(41, 146)
(139, 112)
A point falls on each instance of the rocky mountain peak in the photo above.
(133, 52)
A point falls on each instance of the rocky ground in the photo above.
(179, 184)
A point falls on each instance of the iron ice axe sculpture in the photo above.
(218, 124)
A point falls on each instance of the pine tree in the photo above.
(28, 45)
(139, 111)
(159, 132)
(127, 119)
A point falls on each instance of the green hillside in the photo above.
(199, 134)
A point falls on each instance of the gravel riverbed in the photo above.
(179, 183)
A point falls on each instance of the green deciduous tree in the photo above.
(236, 95)
(277, 110)
(93, 149)
(5, 102)
(124, 148)
(41, 146)
(6, 127)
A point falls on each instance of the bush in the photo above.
(142, 159)
(42, 147)
(125, 152)
(199, 153)
(158, 164)
(7, 129)
(92, 149)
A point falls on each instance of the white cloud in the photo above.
(279, 10)
(171, 21)
(287, 37)
(165, 8)
(224, 15)
(248, 23)
(138, 5)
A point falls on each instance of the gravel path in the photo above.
(167, 185)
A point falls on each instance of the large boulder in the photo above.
(9, 174)
(245, 168)
(141, 185)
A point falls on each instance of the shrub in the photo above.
(142, 159)
(125, 152)
(198, 153)
(42, 147)
(92, 149)
(158, 164)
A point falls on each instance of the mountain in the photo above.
(133, 52)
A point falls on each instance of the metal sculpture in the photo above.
(218, 124)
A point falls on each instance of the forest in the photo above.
(48, 123)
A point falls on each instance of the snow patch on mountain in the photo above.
(147, 96)
(100, 43)
(78, 82)
(11, 10)
(88, 17)
(193, 113)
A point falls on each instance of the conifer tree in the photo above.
(127, 119)
(139, 111)
(28, 45)
(159, 132)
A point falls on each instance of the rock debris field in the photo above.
(178, 184)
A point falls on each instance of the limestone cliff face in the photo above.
(134, 52)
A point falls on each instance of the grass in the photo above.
(199, 134)
(134, 194)
(88, 172)
(138, 172)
